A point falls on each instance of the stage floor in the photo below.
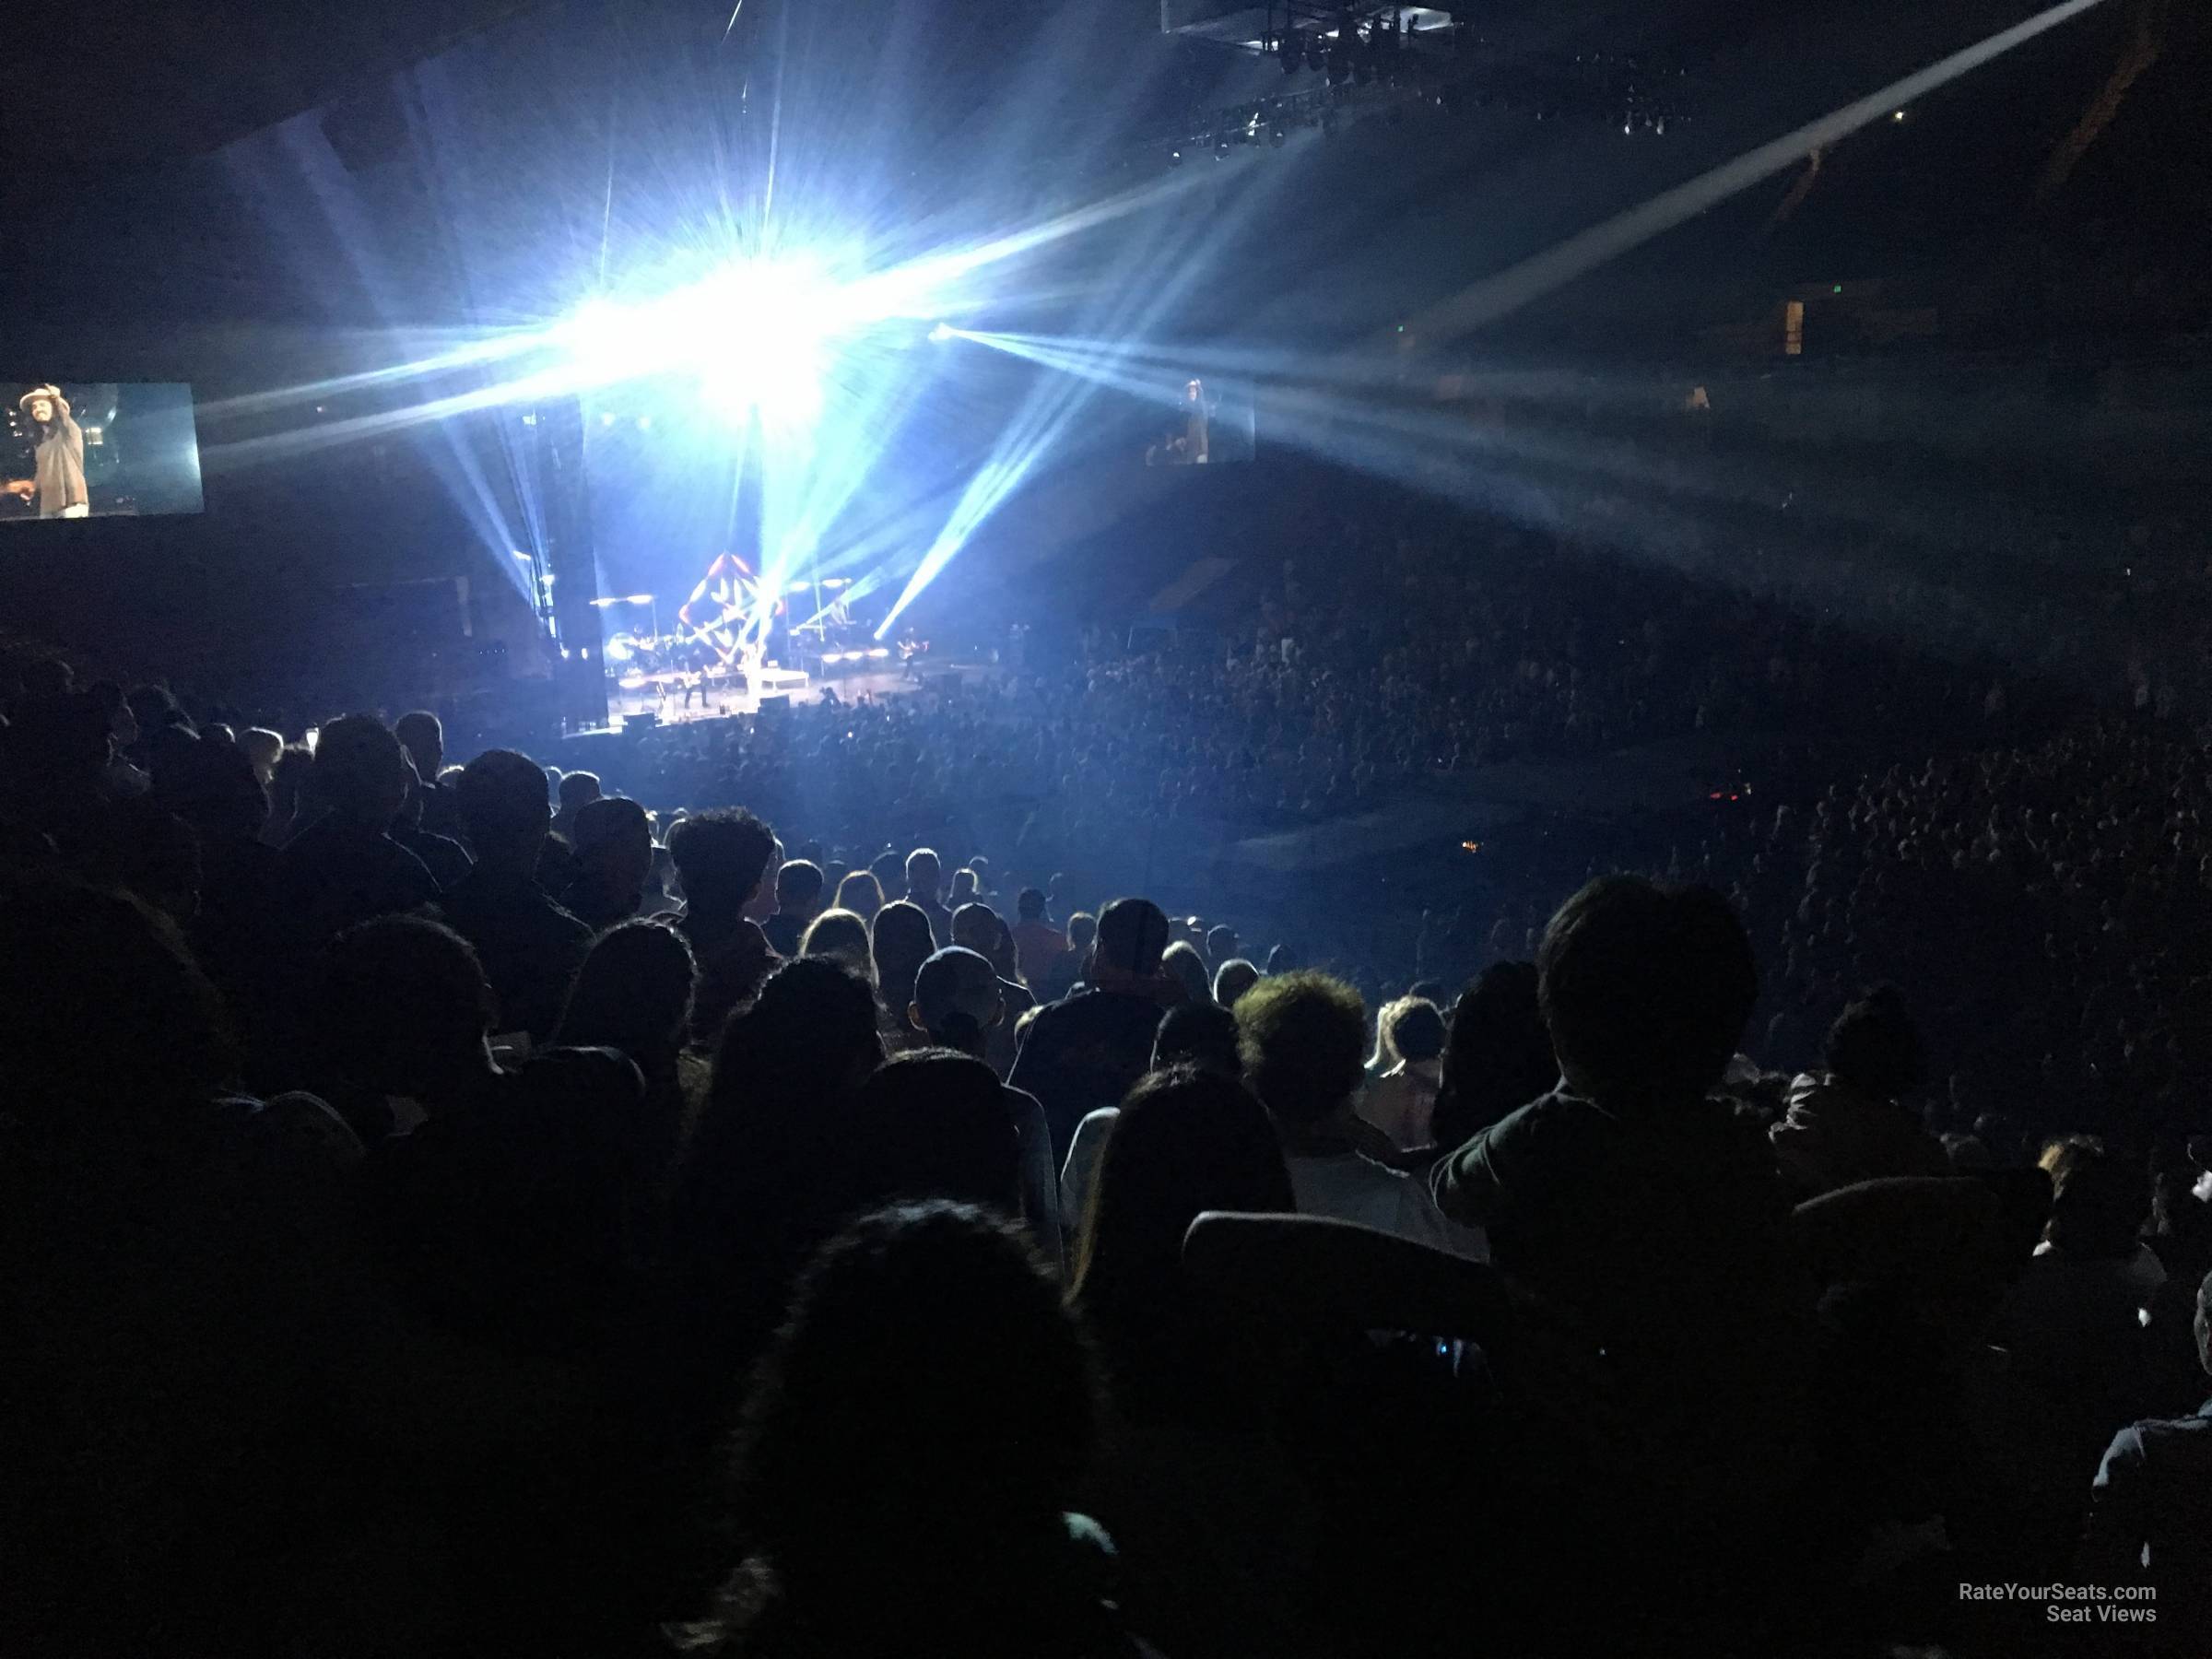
(718, 699)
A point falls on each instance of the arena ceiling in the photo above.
(129, 83)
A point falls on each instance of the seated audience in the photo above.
(1066, 974)
(529, 945)
(633, 994)
(1232, 979)
(1771, 1359)
(798, 901)
(1302, 1036)
(502, 1197)
(2150, 1512)
(841, 935)
(1182, 963)
(1038, 944)
(1622, 1198)
(923, 888)
(2071, 1326)
(898, 943)
(1849, 1124)
(890, 871)
(292, 806)
(1496, 1055)
(1200, 1035)
(1087, 1051)
(764, 1174)
(189, 1405)
(446, 859)
(969, 1452)
(934, 1123)
(963, 889)
(263, 747)
(858, 893)
(344, 868)
(721, 857)
(1217, 1533)
(1399, 1101)
(613, 842)
(576, 790)
(978, 928)
(422, 734)
(959, 1004)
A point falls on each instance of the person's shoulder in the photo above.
(404, 863)
(304, 1126)
(1358, 1168)
(747, 940)
(1023, 1107)
(2154, 1436)
(1053, 1016)
(597, 1078)
(306, 843)
(604, 1063)
(562, 921)
(1548, 1119)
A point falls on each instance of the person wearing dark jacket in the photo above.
(1090, 1050)
(531, 947)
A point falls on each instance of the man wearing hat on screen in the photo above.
(58, 481)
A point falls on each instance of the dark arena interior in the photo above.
(1584, 632)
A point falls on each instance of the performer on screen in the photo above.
(58, 466)
(1197, 421)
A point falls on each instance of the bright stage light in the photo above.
(941, 332)
(755, 337)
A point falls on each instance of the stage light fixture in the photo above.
(941, 332)
(754, 336)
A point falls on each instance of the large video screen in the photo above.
(80, 450)
(1204, 422)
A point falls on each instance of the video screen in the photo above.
(75, 450)
(1205, 423)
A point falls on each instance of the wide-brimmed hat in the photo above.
(51, 393)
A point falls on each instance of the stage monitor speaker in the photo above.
(777, 706)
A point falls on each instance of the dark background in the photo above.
(248, 198)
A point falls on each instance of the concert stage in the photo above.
(719, 696)
(673, 698)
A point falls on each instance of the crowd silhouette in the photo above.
(448, 1204)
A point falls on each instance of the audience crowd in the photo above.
(451, 1206)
